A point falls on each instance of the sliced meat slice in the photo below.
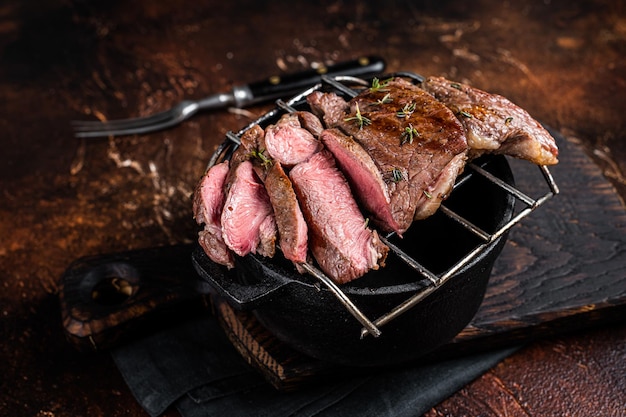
(493, 123)
(310, 122)
(292, 228)
(208, 202)
(342, 244)
(329, 107)
(364, 177)
(247, 218)
(411, 137)
(288, 142)
(440, 189)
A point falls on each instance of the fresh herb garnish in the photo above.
(409, 133)
(384, 100)
(378, 85)
(508, 120)
(465, 114)
(396, 175)
(260, 155)
(456, 85)
(359, 118)
(406, 111)
(427, 194)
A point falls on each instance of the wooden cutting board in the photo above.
(562, 269)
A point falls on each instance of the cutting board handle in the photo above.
(107, 299)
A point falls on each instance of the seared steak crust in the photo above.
(292, 228)
(493, 123)
(411, 137)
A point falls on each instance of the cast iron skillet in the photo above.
(308, 317)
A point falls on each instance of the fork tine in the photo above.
(121, 131)
(135, 122)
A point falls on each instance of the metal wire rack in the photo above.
(350, 87)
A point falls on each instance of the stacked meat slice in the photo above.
(393, 153)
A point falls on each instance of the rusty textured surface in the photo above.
(63, 198)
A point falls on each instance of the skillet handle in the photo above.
(108, 299)
(226, 283)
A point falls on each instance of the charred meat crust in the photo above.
(493, 124)
(409, 135)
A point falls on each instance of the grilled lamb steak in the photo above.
(394, 151)
(493, 123)
(416, 142)
(341, 243)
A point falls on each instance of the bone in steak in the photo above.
(416, 142)
(208, 203)
(493, 123)
(341, 243)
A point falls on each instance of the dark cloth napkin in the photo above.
(194, 368)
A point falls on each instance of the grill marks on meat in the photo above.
(340, 241)
(416, 142)
(493, 123)
(207, 208)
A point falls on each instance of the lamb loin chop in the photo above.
(416, 143)
(493, 124)
(342, 244)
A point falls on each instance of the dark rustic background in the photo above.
(63, 198)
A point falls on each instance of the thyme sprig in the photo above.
(359, 118)
(409, 134)
(378, 85)
(465, 114)
(396, 175)
(260, 155)
(406, 111)
(385, 100)
(508, 120)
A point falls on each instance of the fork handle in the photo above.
(284, 85)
